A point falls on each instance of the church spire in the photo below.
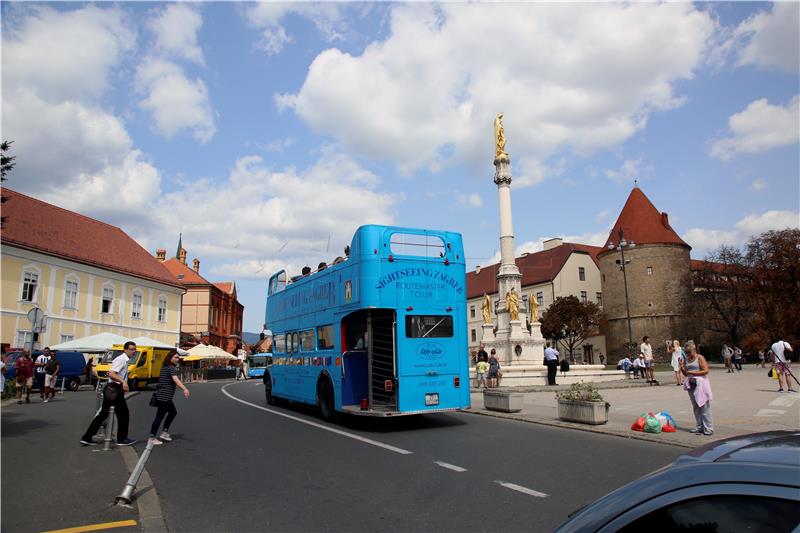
(180, 245)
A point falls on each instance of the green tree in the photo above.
(7, 163)
(570, 322)
(723, 284)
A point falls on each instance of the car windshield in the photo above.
(110, 355)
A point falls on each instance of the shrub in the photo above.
(582, 392)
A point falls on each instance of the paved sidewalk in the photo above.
(51, 482)
(745, 402)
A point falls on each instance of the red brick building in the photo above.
(211, 312)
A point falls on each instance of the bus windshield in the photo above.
(259, 361)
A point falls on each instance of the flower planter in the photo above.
(584, 412)
(508, 402)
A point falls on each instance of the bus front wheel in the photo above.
(327, 406)
(268, 389)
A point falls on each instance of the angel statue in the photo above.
(487, 304)
(512, 304)
(499, 137)
(534, 305)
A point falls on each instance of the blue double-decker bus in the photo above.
(381, 332)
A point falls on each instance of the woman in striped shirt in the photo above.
(167, 381)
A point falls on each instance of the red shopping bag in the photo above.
(639, 424)
(668, 428)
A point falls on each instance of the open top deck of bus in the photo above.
(381, 332)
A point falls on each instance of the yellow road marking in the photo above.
(95, 527)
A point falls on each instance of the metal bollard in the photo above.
(125, 496)
(109, 429)
(62, 385)
(98, 404)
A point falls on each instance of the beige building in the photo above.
(560, 269)
(86, 276)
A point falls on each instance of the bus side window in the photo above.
(307, 340)
(295, 342)
(325, 337)
(280, 344)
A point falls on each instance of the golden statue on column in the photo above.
(487, 304)
(534, 305)
(512, 304)
(499, 138)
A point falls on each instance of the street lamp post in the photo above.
(621, 245)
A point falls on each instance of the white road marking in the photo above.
(520, 488)
(450, 467)
(319, 426)
(770, 412)
(783, 401)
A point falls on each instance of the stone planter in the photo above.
(584, 412)
(508, 402)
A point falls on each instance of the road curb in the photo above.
(150, 515)
(582, 427)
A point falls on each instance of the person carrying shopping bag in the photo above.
(168, 380)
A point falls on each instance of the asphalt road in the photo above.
(245, 466)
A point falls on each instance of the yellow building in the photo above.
(86, 276)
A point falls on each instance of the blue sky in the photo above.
(267, 133)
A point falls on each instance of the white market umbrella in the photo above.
(205, 351)
(147, 341)
(92, 343)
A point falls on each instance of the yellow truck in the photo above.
(143, 368)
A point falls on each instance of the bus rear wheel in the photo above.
(268, 389)
(327, 407)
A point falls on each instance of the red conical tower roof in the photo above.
(642, 223)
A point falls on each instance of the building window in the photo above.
(581, 273)
(70, 294)
(474, 336)
(108, 301)
(30, 281)
(472, 311)
(24, 340)
(162, 309)
(649, 271)
(136, 305)
(583, 296)
(66, 338)
(599, 299)
(540, 297)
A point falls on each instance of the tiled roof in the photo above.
(225, 286)
(36, 225)
(700, 265)
(642, 223)
(539, 267)
(184, 274)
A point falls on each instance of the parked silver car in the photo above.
(746, 483)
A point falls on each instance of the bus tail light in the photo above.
(387, 385)
(456, 382)
(446, 261)
(391, 258)
(364, 404)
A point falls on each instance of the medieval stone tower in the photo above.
(658, 278)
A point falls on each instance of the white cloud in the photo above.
(584, 77)
(327, 17)
(629, 170)
(603, 216)
(279, 145)
(703, 240)
(770, 39)
(273, 39)
(759, 184)
(175, 28)
(770, 220)
(56, 68)
(260, 218)
(176, 102)
(760, 128)
(64, 55)
(470, 200)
